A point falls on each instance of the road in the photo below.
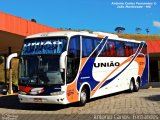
(145, 102)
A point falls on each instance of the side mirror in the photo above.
(62, 61)
(71, 55)
(10, 58)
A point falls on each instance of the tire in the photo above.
(136, 86)
(83, 97)
(4, 93)
(131, 86)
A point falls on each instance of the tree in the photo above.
(147, 30)
(33, 20)
(119, 29)
(1, 60)
(138, 30)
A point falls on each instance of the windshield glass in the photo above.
(54, 45)
(40, 70)
(39, 62)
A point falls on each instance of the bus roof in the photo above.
(83, 33)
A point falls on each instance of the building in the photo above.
(13, 30)
(154, 62)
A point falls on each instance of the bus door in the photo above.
(73, 62)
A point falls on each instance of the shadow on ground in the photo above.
(153, 98)
(12, 102)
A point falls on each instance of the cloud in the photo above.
(156, 24)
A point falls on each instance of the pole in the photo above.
(10, 91)
(5, 70)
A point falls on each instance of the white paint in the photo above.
(10, 58)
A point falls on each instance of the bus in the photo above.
(67, 66)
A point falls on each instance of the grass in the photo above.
(15, 72)
(127, 36)
(140, 36)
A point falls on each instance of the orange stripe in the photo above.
(141, 63)
(100, 36)
(25, 89)
(72, 93)
(83, 61)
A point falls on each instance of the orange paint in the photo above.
(100, 36)
(20, 26)
(72, 93)
(141, 63)
(25, 89)
(83, 61)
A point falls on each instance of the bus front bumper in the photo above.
(58, 99)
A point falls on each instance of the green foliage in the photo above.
(1, 59)
(119, 29)
(15, 72)
(142, 37)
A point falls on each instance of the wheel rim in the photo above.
(131, 86)
(83, 96)
(137, 85)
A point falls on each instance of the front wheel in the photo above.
(83, 97)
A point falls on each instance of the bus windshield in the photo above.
(39, 62)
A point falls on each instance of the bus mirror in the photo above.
(71, 55)
(62, 61)
(9, 59)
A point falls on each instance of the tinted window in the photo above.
(111, 49)
(120, 48)
(74, 46)
(73, 59)
(129, 49)
(144, 49)
(114, 48)
(88, 46)
(135, 47)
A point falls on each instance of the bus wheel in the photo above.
(131, 86)
(136, 86)
(83, 97)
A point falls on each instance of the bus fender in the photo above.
(83, 84)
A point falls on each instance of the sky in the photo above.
(96, 15)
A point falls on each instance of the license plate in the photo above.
(37, 99)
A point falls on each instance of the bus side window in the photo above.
(107, 50)
(126, 51)
(120, 48)
(87, 46)
(144, 49)
(112, 49)
(135, 47)
(130, 50)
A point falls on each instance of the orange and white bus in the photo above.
(66, 67)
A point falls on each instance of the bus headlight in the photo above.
(57, 93)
